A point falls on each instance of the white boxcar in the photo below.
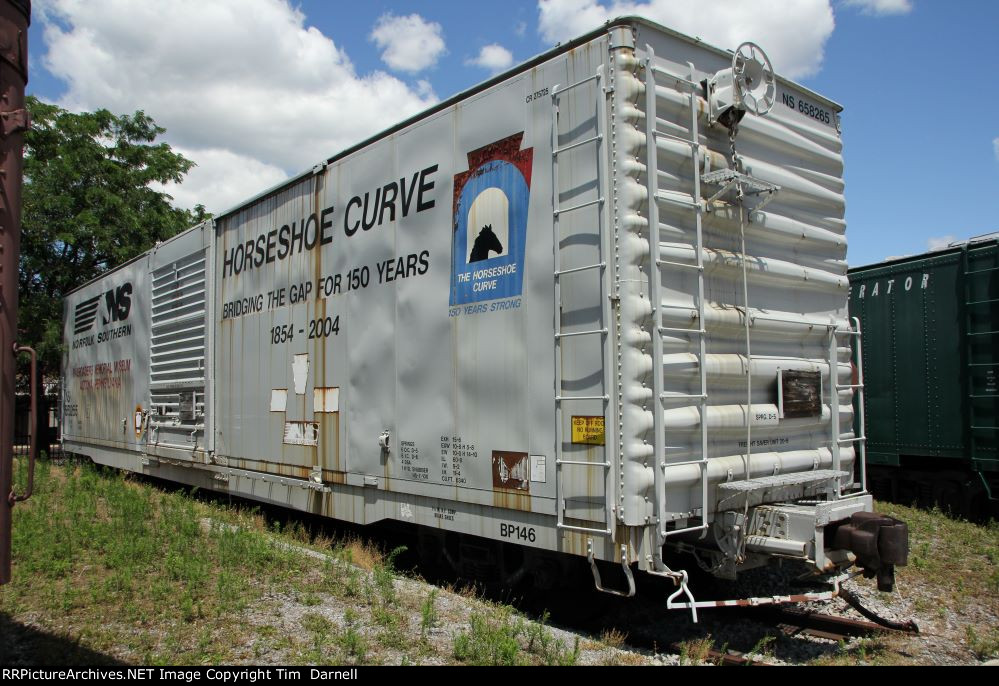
(589, 307)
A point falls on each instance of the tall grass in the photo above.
(111, 555)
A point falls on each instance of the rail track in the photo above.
(792, 622)
(726, 636)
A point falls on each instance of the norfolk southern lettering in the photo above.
(103, 336)
(117, 306)
(396, 199)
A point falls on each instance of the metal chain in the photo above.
(733, 155)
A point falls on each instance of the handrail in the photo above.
(13, 497)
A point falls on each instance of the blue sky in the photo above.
(255, 90)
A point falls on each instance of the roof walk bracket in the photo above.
(743, 184)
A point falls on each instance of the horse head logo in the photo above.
(485, 242)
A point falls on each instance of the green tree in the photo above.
(88, 206)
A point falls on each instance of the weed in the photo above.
(696, 651)
(984, 647)
(352, 584)
(392, 623)
(551, 650)
(361, 553)
(187, 611)
(383, 576)
(384, 583)
(489, 641)
(350, 639)
(267, 631)
(722, 652)
(623, 660)
(320, 630)
(613, 637)
(428, 613)
(762, 647)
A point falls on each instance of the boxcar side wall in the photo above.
(388, 321)
(381, 331)
(106, 364)
(932, 364)
(912, 316)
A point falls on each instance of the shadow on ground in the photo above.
(23, 646)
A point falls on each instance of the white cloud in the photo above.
(222, 179)
(520, 29)
(995, 146)
(792, 33)
(409, 44)
(940, 242)
(493, 57)
(243, 87)
(881, 7)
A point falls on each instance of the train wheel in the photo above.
(433, 561)
(980, 508)
(950, 496)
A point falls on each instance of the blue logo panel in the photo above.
(490, 223)
(492, 206)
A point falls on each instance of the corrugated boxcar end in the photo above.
(594, 307)
(932, 436)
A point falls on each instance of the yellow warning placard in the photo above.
(588, 430)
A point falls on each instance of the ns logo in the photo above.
(117, 305)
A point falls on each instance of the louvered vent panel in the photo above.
(177, 358)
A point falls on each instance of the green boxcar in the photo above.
(930, 328)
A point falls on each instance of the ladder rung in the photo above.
(689, 529)
(686, 396)
(560, 398)
(683, 464)
(574, 270)
(982, 333)
(678, 79)
(983, 364)
(982, 302)
(699, 332)
(584, 529)
(583, 463)
(591, 332)
(987, 395)
(802, 322)
(853, 440)
(679, 139)
(574, 85)
(698, 267)
(598, 137)
(676, 201)
(846, 386)
(985, 428)
(559, 210)
(982, 271)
